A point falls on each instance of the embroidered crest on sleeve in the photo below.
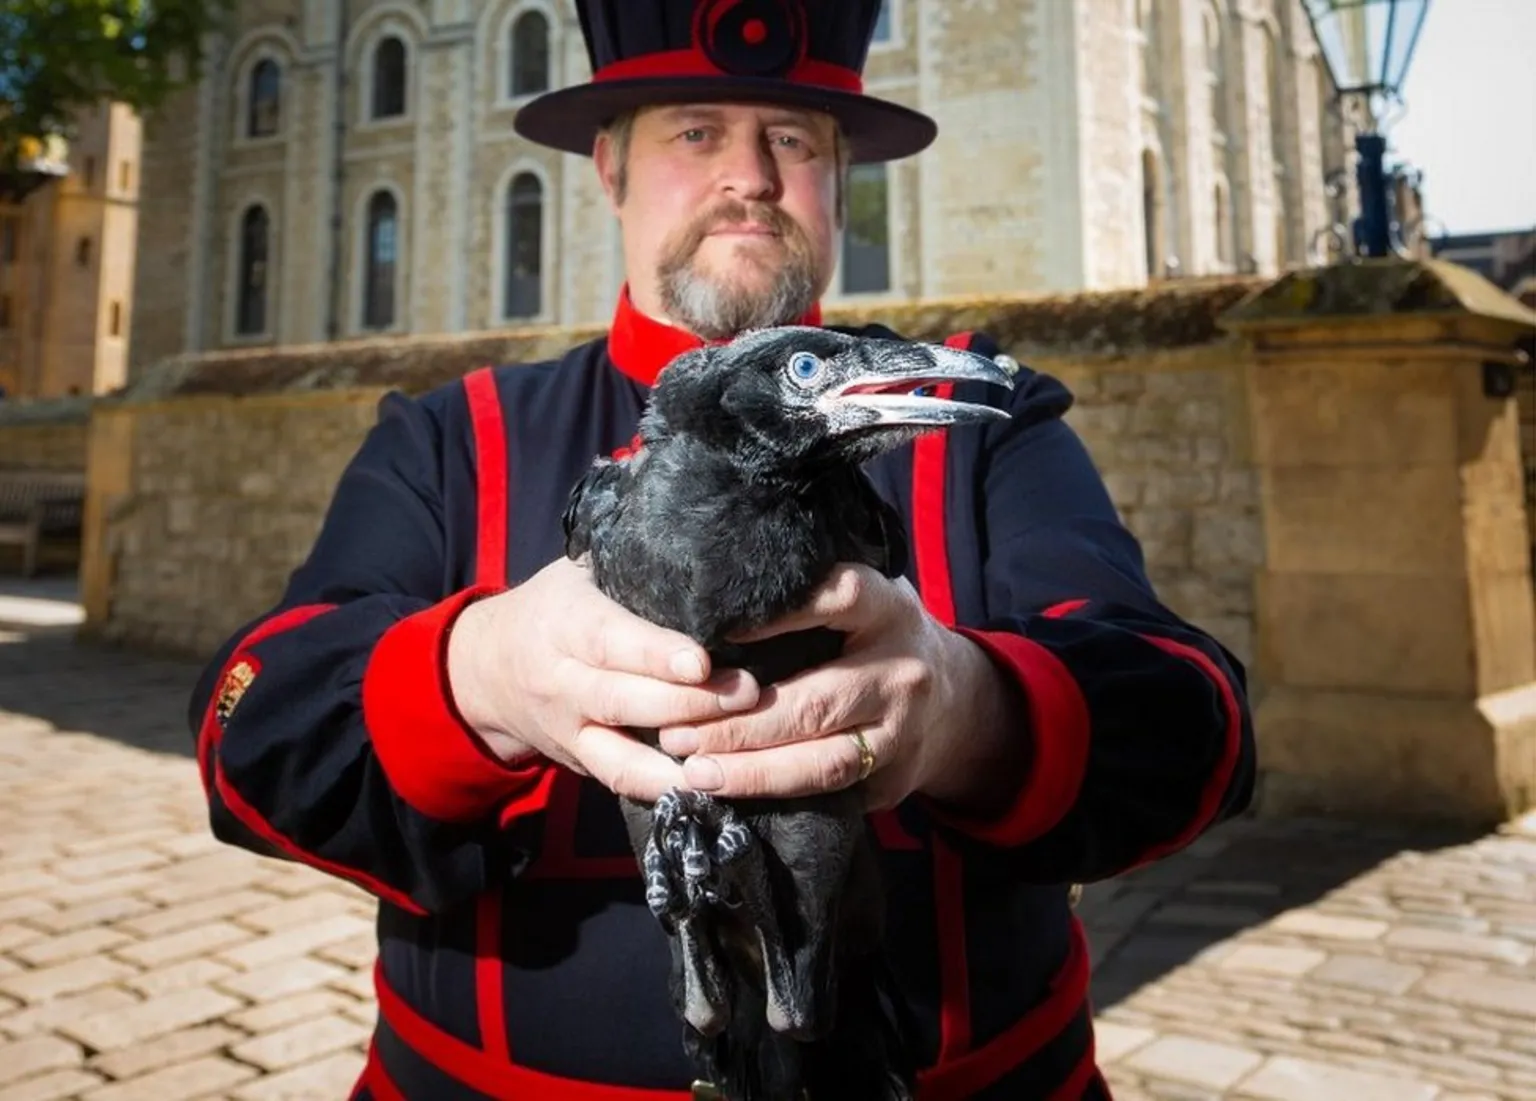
(236, 681)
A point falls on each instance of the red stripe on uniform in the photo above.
(971, 1073)
(493, 517)
(496, 1078)
(491, 476)
(1216, 786)
(931, 551)
(954, 973)
(488, 976)
(671, 64)
(930, 548)
(432, 758)
(1083, 1075)
(210, 732)
(557, 857)
(1060, 725)
(251, 818)
(211, 735)
(376, 1081)
(1066, 607)
(952, 1081)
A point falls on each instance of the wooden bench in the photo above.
(39, 504)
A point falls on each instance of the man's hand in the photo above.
(933, 708)
(555, 668)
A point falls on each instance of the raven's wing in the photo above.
(593, 498)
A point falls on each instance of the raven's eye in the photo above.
(804, 366)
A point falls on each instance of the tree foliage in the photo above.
(59, 57)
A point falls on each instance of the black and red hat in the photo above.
(804, 53)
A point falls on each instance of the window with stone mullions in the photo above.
(251, 314)
(379, 279)
(389, 79)
(266, 87)
(530, 54)
(522, 282)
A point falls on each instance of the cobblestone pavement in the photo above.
(141, 961)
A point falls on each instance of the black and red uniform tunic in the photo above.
(517, 957)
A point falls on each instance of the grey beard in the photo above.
(720, 309)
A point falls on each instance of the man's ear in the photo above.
(607, 169)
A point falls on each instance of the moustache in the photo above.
(734, 212)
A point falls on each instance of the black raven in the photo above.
(746, 491)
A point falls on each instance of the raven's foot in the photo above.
(661, 893)
(734, 839)
(694, 838)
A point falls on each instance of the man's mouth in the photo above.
(743, 229)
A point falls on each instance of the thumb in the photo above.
(624, 765)
(848, 600)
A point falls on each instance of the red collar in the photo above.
(641, 346)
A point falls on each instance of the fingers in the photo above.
(835, 696)
(850, 598)
(609, 637)
(636, 700)
(624, 765)
(787, 771)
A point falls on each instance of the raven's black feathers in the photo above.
(746, 492)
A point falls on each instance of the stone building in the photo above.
(67, 265)
(349, 167)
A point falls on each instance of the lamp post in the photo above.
(1367, 45)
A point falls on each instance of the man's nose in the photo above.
(747, 169)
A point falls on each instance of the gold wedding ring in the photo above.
(866, 755)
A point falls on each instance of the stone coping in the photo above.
(1111, 324)
(1374, 289)
(69, 410)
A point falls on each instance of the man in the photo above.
(435, 709)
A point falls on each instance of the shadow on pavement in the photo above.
(1141, 926)
(1241, 875)
(113, 693)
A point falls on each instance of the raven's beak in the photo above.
(881, 393)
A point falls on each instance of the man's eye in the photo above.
(695, 134)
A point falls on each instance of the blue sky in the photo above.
(1469, 118)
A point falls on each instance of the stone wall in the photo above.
(225, 496)
(232, 459)
(1170, 436)
(49, 435)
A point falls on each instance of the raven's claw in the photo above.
(694, 839)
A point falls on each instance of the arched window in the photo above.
(530, 54)
(251, 291)
(866, 238)
(382, 249)
(389, 78)
(266, 96)
(523, 277)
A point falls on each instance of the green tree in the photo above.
(58, 57)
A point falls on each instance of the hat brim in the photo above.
(876, 130)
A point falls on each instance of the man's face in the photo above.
(728, 212)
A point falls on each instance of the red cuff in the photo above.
(1058, 727)
(432, 758)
